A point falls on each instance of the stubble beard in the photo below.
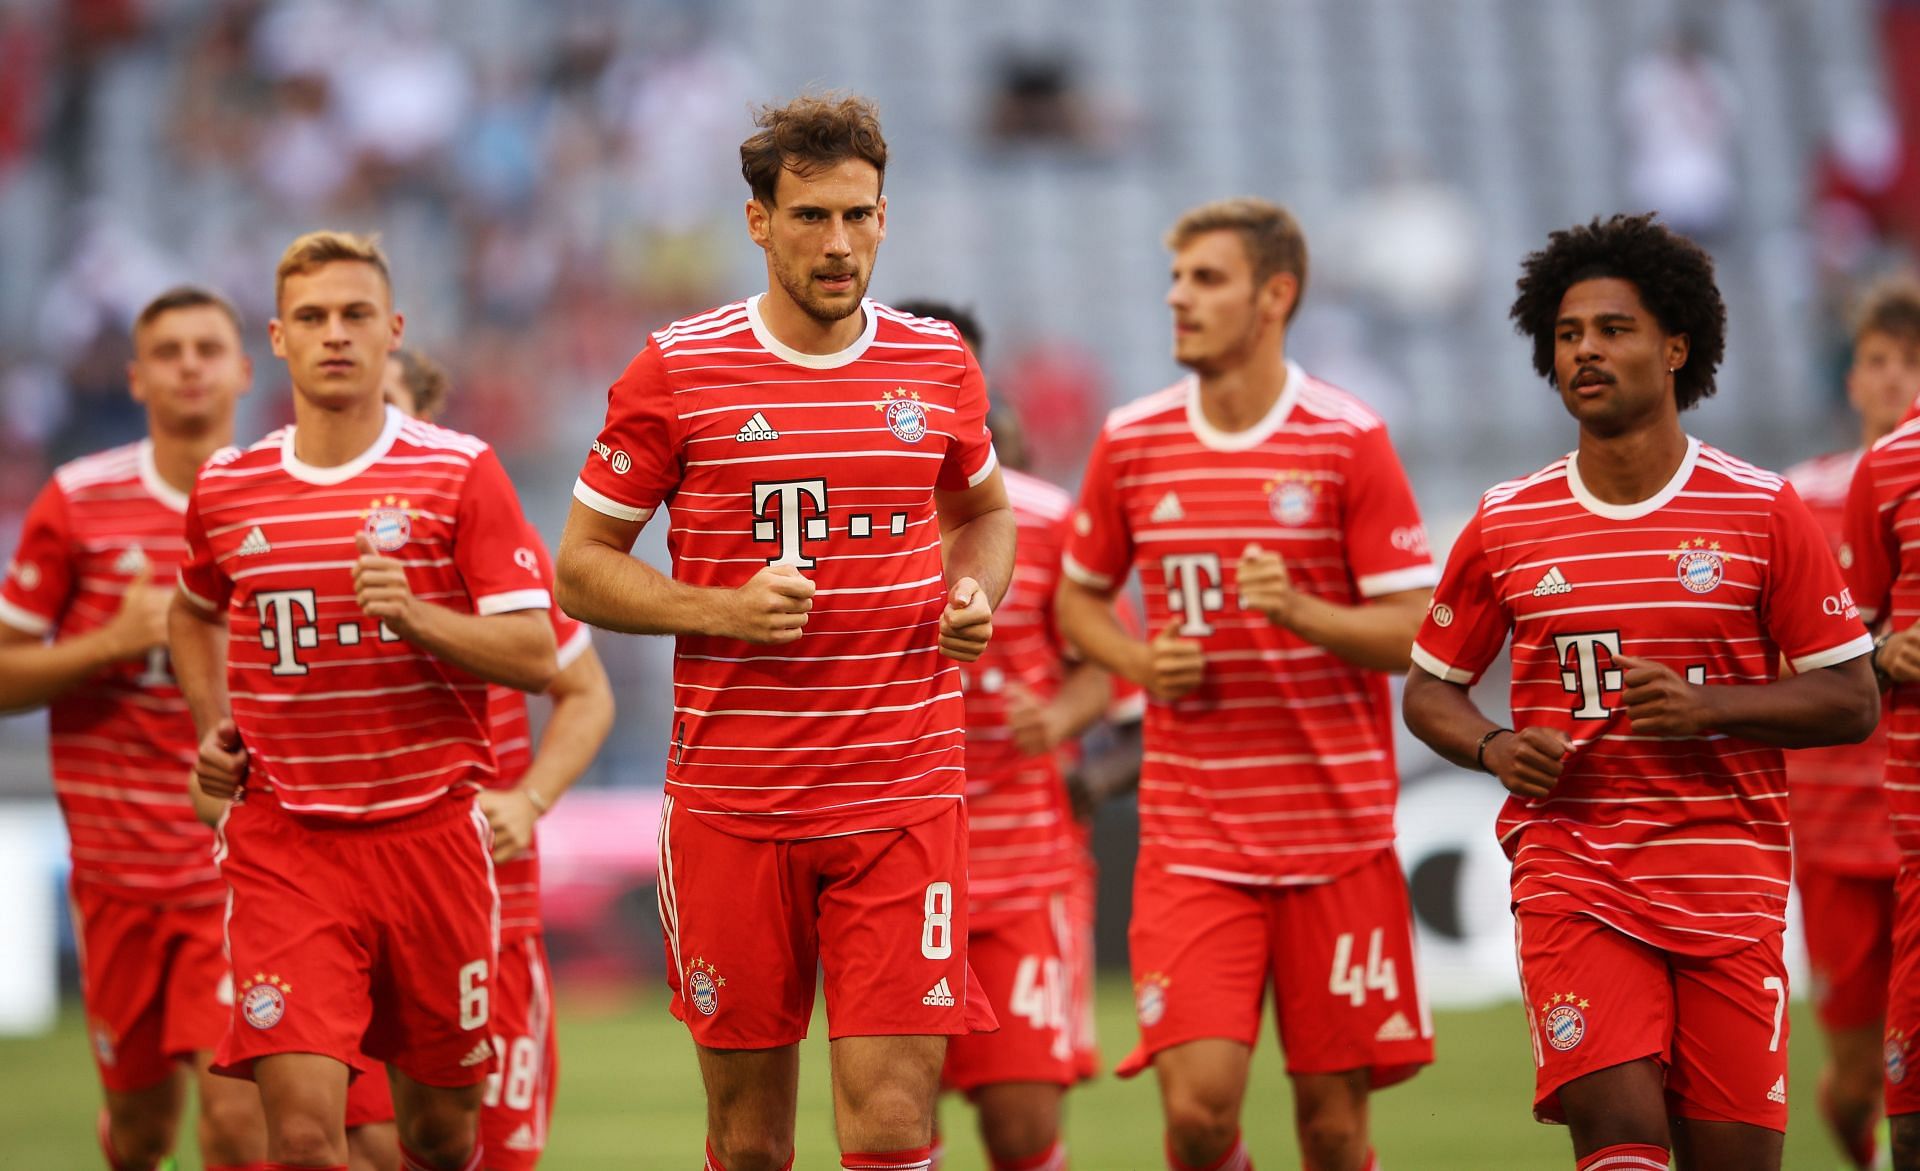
(799, 289)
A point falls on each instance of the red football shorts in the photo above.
(1849, 928)
(1903, 1005)
(1597, 998)
(356, 941)
(370, 1097)
(154, 982)
(1339, 955)
(749, 922)
(1082, 909)
(1022, 962)
(518, 1106)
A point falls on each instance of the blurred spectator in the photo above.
(1059, 393)
(1411, 244)
(22, 85)
(1678, 107)
(1038, 101)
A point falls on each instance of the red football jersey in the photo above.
(122, 743)
(1883, 515)
(1837, 794)
(1279, 768)
(828, 463)
(342, 718)
(1020, 844)
(510, 728)
(1680, 842)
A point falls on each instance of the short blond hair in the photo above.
(1272, 237)
(315, 249)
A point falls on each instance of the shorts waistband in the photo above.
(454, 805)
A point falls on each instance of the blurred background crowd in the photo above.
(555, 178)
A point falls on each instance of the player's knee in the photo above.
(1201, 1126)
(441, 1138)
(1012, 1135)
(1333, 1141)
(304, 1138)
(751, 1150)
(231, 1124)
(141, 1137)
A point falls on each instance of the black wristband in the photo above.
(1480, 750)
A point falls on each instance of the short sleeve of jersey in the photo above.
(1099, 546)
(1869, 550)
(635, 463)
(202, 580)
(1808, 609)
(1466, 623)
(493, 546)
(1386, 542)
(970, 458)
(39, 579)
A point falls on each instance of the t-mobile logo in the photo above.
(281, 632)
(1193, 590)
(789, 524)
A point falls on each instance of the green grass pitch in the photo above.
(630, 1099)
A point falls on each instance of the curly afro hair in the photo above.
(1674, 277)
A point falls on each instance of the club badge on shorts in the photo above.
(704, 983)
(1563, 1021)
(1896, 1055)
(1150, 999)
(263, 1000)
(906, 418)
(389, 523)
(1700, 565)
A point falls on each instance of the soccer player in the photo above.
(1844, 853)
(1881, 509)
(1651, 584)
(83, 632)
(518, 1104)
(840, 534)
(1025, 704)
(1284, 568)
(351, 585)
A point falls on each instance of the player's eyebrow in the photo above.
(1605, 317)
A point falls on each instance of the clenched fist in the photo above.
(967, 622)
(771, 607)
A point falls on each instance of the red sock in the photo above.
(1054, 1158)
(917, 1159)
(412, 1162)
(1236, 1159)
(1626, 1157)
(714, 1164)
(1372, 1163)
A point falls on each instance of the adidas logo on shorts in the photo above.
(1397, 1028)
(1552, 582)
(940, 996)
(482, 1050)
(1779, 1091)
(255, 542)
(756, 429)
(522, 1139)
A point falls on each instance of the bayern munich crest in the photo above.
(1292, 498)
(1150, 1001)
(1896, 1055)
(389, 524)
(263, 1000)
(1563, 1022)
(704, 983)
(906, 418)
(1700, 565)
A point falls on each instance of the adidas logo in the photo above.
(482, 1052)
(132, 561)
(1553, 582)
(1779, 1091)
(1168, 510)
(256, 542)
(522, 1139)
(941, 995)
(756, 429)
(1397, 1028)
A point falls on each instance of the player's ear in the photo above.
(1278, 296)
(1677, 347)
(135, 385)
(277, 337)
(880, 215)
(759, 216)
(399, 332)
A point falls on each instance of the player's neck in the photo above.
(328, 436)
(796, 329)
(1634, 465)
(179, 455)
(1236, 399)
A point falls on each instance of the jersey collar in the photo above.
(156, 484)
(307, 473)
(787, 353)
(1638, 508)
(1213, 437)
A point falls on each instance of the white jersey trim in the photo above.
(1433, 665)
(1639, 508)
(608, 505)
(986, 469)
(1418, 577)
(579, 644)
(1847, 651)
(306, 473)
(512, 601)
(156, 484)
(786, 353)
(206, 604)
(1253, 436)
(25, 621)
(1084, 576)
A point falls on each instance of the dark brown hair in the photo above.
(1891, 307)
(809, 134)
(185, 297)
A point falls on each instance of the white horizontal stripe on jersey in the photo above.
(820, 809)
(370, 807)
(1418, 577)
(1591, 908)
(24, 620)
(1084, 576)
(1175, 532)
(1635, 887)
(1433, 665)
(1212, 846)
(860, 711)
(385, 753)
(1663, 798)
(1845, 652)
(889, 681)
(1241, 878)
(955, 732)
(1637, 605)
(608, 505)
(808, 404)
(1208, 763)
(512, 601)
(268, 521)
(917, 583)
(364, 693)
(1321, 813)
(382, 782)
(768, 457)
(169, 798)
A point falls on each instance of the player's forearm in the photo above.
(578, 725)
(1834, 705)
(514, 649)
(36, 673)
(1444, 717)
(1083, 698)
(982, 548)
(1086, 619)
(197, 642)
(1378, 635)
(206, 807)
(1113, 767)
(606, 587)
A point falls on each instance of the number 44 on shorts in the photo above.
(1353, 981)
